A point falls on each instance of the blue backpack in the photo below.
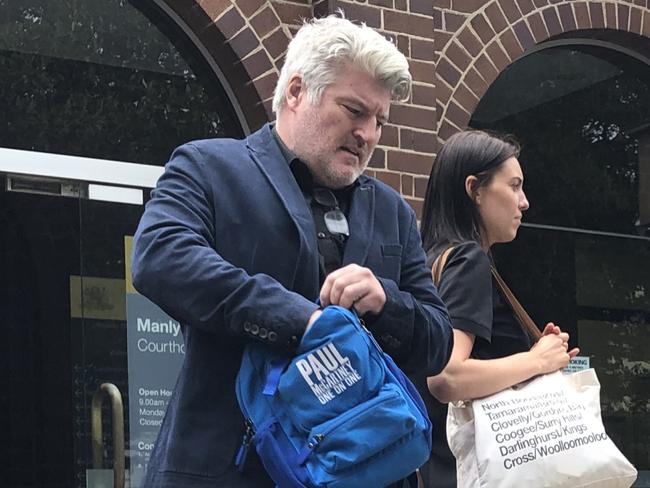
(338, 414)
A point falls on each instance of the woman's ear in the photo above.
(472, 189)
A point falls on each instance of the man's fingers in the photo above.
(329, 296)
(352, 294)
(371, 302)
(336, 282)
(355, 286)
(324, 294)
(339, 293)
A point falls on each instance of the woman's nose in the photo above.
(523, 202)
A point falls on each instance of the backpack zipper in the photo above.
(242, 453)
(339, 421)
(312, 444)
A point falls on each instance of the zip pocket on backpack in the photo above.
(330, 443)
(279, 457)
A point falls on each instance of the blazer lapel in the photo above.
(265, 152)
(362, 221)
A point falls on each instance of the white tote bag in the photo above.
(544, 433)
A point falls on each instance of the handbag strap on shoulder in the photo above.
(526, 322)
(438, 265)
(522, 316)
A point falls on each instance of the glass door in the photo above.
(64, 248)
(126, 352)
(99, 343)
(122, 81)
(39, 251)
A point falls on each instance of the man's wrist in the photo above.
(313, 318)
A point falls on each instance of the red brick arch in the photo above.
(247, 39)
(492, 37)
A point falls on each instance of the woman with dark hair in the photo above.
(475, 199)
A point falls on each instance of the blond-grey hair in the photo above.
(322, 47)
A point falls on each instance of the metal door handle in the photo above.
(117, 408)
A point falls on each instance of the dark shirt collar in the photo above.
(299, 169)
(286, 152)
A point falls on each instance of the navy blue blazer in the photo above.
(227, 246)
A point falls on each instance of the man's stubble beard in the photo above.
(341, 179)
(322, 169)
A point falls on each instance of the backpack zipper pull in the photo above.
(240, 459)
(317, 439)
(311, 445)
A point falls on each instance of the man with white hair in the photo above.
(240, 238)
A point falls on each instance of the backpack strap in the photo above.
(273, 376)
(522, 316)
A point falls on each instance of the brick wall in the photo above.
(476, 40)
(456, 49)
(248, 38)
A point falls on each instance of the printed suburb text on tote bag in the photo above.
(544, 433)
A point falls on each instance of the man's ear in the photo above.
(472, 189)
(295, 91)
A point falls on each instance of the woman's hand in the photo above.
(551, 328)
(551, 352)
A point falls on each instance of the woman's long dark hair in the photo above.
(450, 216)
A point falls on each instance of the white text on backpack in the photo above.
(327, 372)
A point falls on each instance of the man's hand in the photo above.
(313, 318)
(355, 286)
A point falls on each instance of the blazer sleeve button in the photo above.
(273, 336)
